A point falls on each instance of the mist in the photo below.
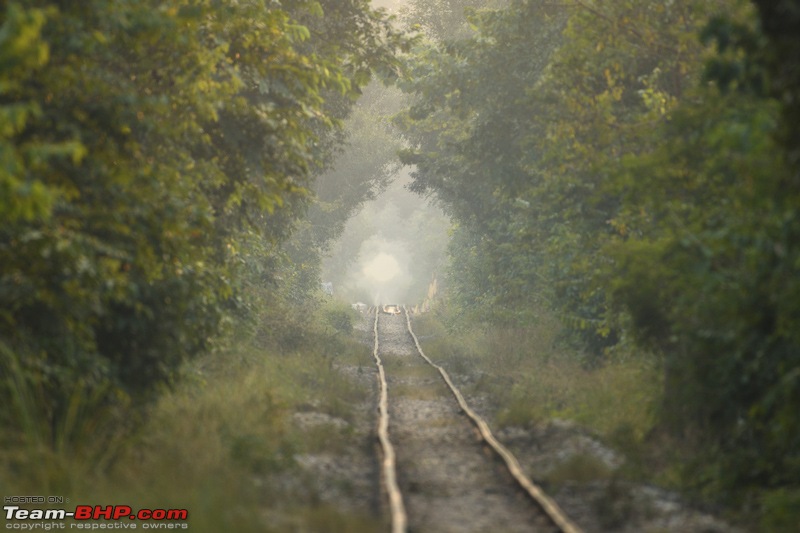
(382, 271)
(391, 250)
(391, 5)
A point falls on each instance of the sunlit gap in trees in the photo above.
(379, 274)
(382, 268)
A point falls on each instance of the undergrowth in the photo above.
(221, 442)
(530, 378)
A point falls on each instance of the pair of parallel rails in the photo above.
(399, 516)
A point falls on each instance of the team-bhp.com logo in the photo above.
(90, 517)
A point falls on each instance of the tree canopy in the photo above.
(631, 166)
(153, 155)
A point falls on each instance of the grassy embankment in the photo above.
(221, 442)
(530, 377)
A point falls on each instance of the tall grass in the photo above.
(531, 376)
(220, 442)
(40, 453)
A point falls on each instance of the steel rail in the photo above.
(547, 504)
(389, 463)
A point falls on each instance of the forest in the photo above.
(177, 177)
(634, 170)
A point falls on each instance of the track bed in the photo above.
(441, 473)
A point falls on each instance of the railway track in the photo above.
(442, 469)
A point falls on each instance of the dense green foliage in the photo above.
(153, 156)
(443, 19)
(633, 165)
(463, 130)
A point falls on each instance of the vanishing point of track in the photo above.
(545, 509)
